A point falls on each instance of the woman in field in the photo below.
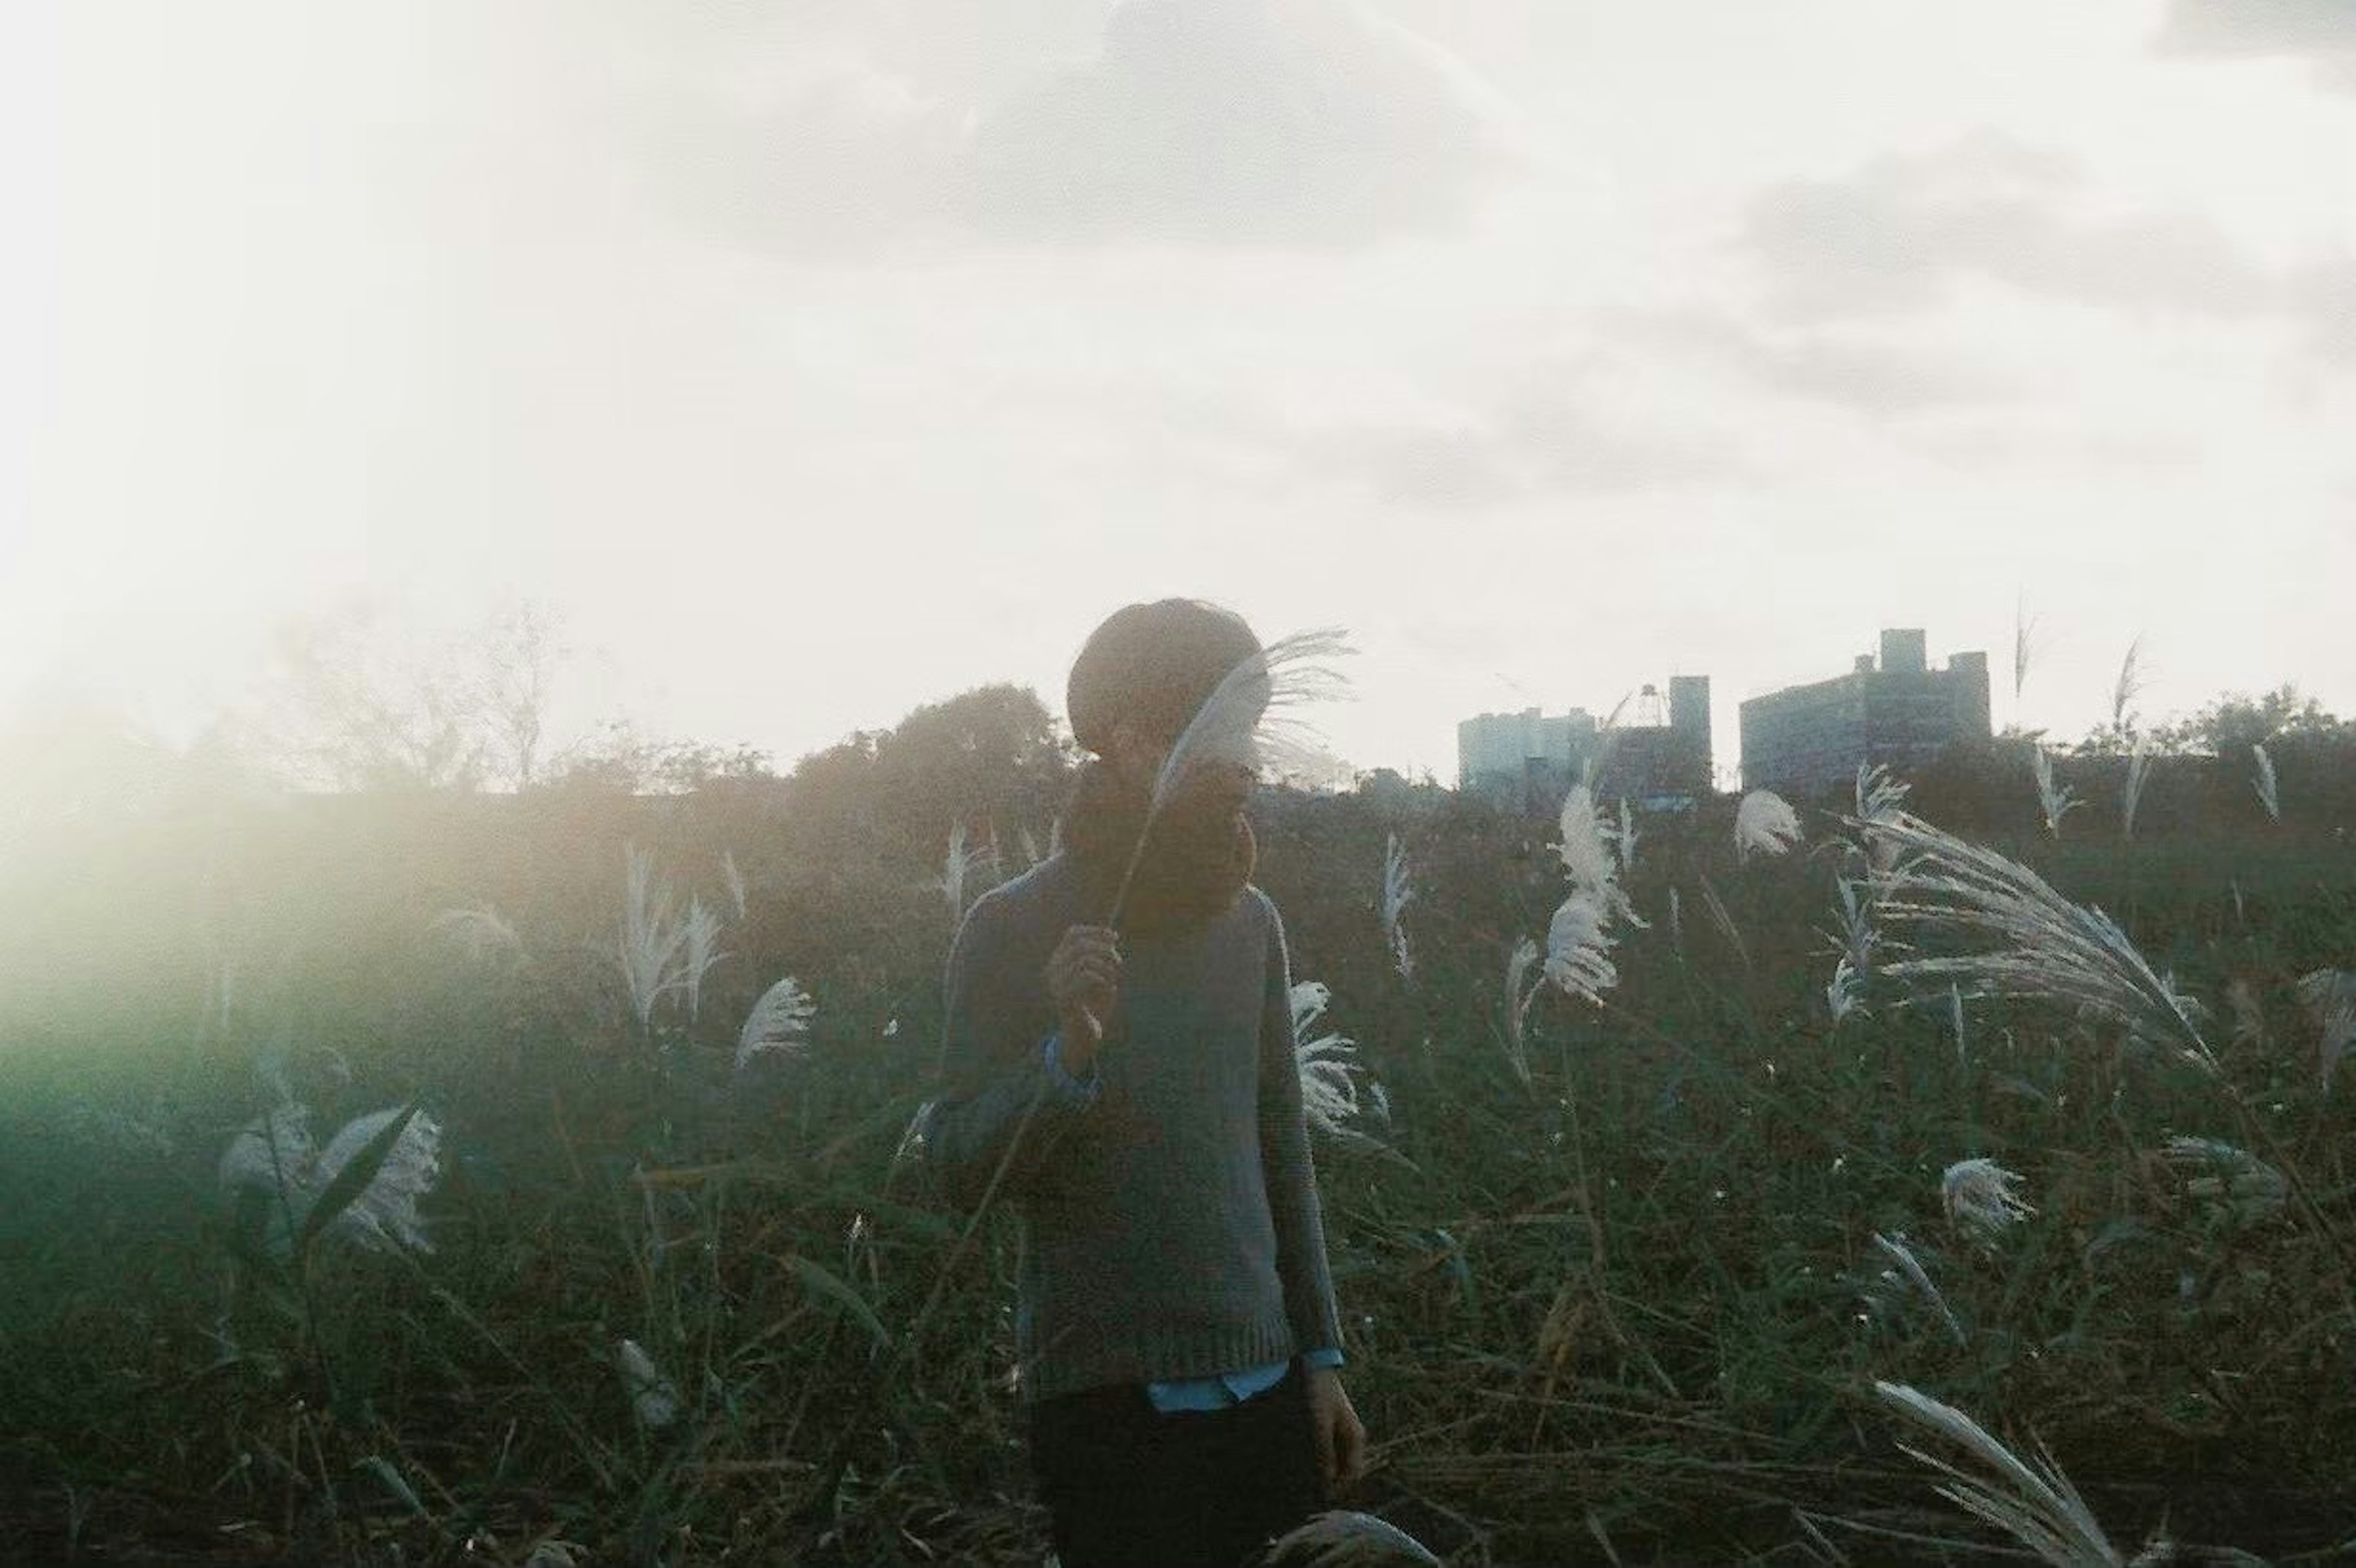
(1133, 1093)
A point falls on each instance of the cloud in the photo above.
(1213, 123)
(1833, 364)
(1236, 120)
(2259, 27)
(1902, 233)
(1542, 441)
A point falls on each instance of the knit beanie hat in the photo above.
(1153, 664)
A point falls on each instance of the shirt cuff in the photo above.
(1085, 1088)
(1322, 1356)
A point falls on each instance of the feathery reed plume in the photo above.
(1880, 797)
(2045, 947)
(1955, 1021)
(1677, 924)
(1397, 892)
(2231, 1182)
(652, 937)
(702, 951)
(1578, 938)
(274, 1156)
(2024, 627)
(1520, 991)
(779, 1021)
(1585, 849)
(2056, 801)
(1895, 1249)
(2131, 793)
(385, 1213)
(654, 1397)
(735, 879)
(1328, 1065)
(1764, 823)
(961, 866)
(1342, 1539)
(1246, 723)
(2329, 998)
(1577, 947)
(482, 932)
(2036, 1505)
(2269, 795)
(1856, 938)
(1982, 1199)
(2129, 687)
(1625, 839)
(1029, 846)
(1844, 992)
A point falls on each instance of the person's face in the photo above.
(1138, 757)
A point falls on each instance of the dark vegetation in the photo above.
(1633, 1304)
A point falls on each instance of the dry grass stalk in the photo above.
(703, 951)
(1397, 893)
(1520, 991)
(2036, 1505)
(2129, 687)
(651, 939)
(2131, 794)
(779, 1021)
(2044, 947)
(735, 879)
(2268, 792)
(1910, 1268)
(2056, 801)
(1843, 993)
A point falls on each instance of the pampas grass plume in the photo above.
(1764, 824)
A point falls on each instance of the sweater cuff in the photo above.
(1322, 1356)
(1083, 1090)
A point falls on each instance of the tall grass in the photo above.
(1632, 1290)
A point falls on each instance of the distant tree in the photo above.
(2235, 722)
(352, 710)
(358, 704)
(618, 760)
(992, 758)
(522, 655)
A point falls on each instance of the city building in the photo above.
(1899, 713)
(1657, 754)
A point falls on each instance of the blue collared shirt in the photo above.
(1215, 1393)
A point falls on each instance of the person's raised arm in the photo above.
(1006, 1083)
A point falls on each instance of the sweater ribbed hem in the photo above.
(1143, 1354)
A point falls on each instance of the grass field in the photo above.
(1632, 1304)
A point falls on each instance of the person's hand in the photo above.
(1083, 977)
(1341, 1438)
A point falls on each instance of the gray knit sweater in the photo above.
(1170, 1228)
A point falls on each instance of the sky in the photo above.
(812, 361)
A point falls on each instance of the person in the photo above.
(1132, 1093)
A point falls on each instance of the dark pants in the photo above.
(1128, 1484)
